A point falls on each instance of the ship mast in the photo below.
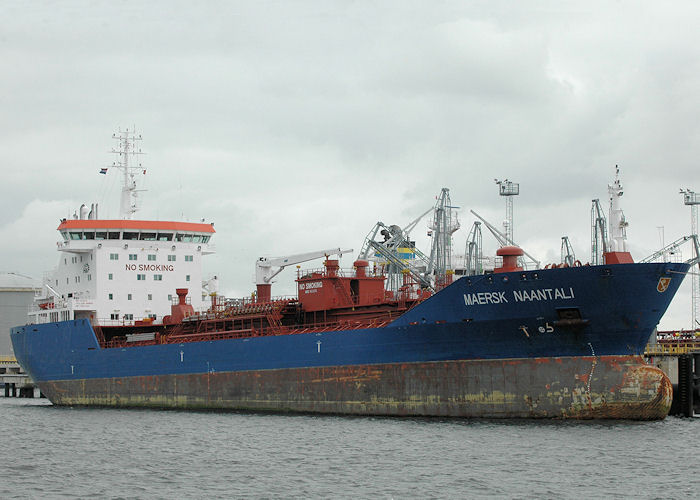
(127, 162)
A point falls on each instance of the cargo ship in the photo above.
(128, 320)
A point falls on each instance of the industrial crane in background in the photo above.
(692, 199)
(443, 226)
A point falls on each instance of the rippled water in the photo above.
(53, 452)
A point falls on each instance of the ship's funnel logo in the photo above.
(663, 284)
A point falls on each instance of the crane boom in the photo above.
(264, 265)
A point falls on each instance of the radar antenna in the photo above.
(126, 161)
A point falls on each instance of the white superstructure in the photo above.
(121, 270)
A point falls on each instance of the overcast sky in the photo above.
(296, 126)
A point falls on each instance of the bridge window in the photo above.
(101, 235)
(205, 239)
(165, 236)
(90, 235)
(114, 235)
(148, 236)
(130, 236)
(197, 238)
(76, 235)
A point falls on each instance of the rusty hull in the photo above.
(609, 387)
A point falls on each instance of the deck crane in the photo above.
(473, 253)
(568, 257)
(599, 233)
(264, 268)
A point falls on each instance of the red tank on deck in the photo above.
(179, 311)
(321, 291)
(510, 256)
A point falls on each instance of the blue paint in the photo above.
(621, 303)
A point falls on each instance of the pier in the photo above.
(16, 383)
(679, 358)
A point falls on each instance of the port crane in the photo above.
(388, 252)
(503, 240)
(264, 271)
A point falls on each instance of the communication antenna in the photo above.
(126, 160)
(692, 199)
(508, 189)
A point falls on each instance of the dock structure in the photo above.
(678, 355)
(15, 381)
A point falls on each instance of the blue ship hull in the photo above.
(574, 337)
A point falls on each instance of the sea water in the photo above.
(63, 452)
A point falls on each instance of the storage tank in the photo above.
(16, 295)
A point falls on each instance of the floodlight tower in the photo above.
(692, 199)
(508, 189)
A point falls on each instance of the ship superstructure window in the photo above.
(89, 277)
(111, 296)
(151, 256)
(114, 256)
(205, 239)
(158, 277)
(133, 256)
(140, 277)
(110, 276)
(128, 297)
(114, 316)
(189, 258)
(187, 278)
(150, 296)
(170, 298)
(129, 317)
(171, 258)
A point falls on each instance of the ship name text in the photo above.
(539, 294)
